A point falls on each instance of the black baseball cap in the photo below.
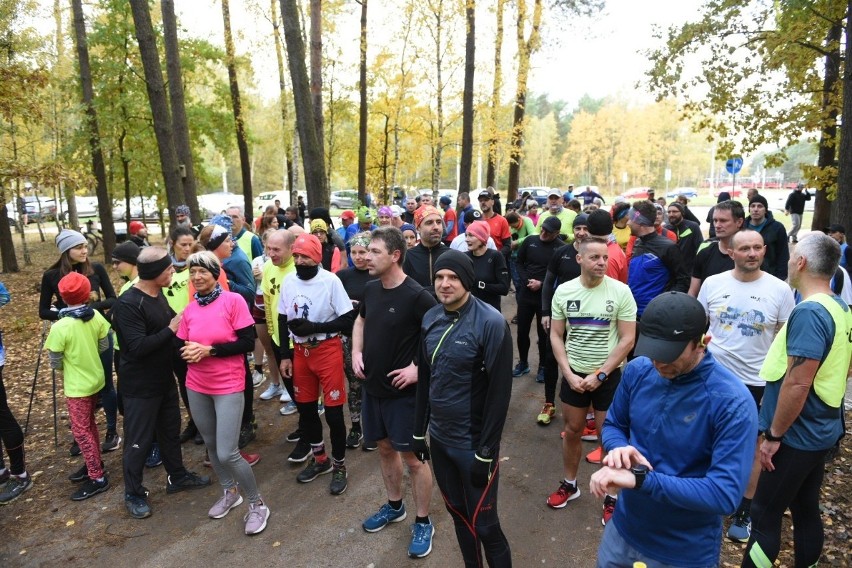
(835, 228)
(668, 324)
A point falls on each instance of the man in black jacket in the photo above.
(795, 207)
(463, 392)
(774, 237)
(689, 236)
(146, 326)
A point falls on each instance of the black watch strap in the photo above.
(769, 437)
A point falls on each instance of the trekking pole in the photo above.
(44, 326)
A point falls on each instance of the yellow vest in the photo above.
(830, 380)
(244, 242)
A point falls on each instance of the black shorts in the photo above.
(600, 398)
(391, 418)
(756, 394)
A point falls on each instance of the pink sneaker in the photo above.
(256, 518)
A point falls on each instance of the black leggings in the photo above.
(473, 509)
(11, 434)
(311, 427)
(248, 394)
(527, 310)
(794, 484)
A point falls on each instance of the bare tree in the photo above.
(98, 166)
(316, 75)
(491, 168)
(526, 47)
(467, 97)
(179, 121)
(285, 137)
(362, 107)
(239, 121)
(312, 158)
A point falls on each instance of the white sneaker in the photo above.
(271, 392)
(257, 378)
(288, 409)
(285, 396)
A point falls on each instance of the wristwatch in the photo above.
(639, 472)
(212, 351)
(485, 452)
(602, 376)
(767, 434)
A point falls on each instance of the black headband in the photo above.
(150, 270)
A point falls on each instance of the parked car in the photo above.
(636, 193)
(689, 192)
(738, 192)
(39, 208)
(217, 202)
(86, 207)
(344, 199)
(138, 206)
(539, 193)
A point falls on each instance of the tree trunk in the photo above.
(467, 98)
(828, 136)
(362, 108)
(98, 166)
(843, 210)
(239, 121)
(316, 76)
(179, 120)
(7, 245)
(491, 168)
(437, 137)
(285, 138)
(526, 47)
(312, 158)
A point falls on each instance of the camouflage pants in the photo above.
(355, 384)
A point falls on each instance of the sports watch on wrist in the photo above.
(212, 351)
(769, 437)
(639, 472)
(601, 376)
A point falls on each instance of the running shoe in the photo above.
(137, 507)
(289, 408)
(313, 470)
(225, 503)
(14, 488)
(369, 446)
(595, 456)
(257, 378)
(300, 453)
(112, 441)
(272, 391)
(338, 480)
(589, 434)
(354, 439)
(91, 488)
(256, 518)
(740, 529)
(548, 411)
(566, 492)
(190, 480)
(384, 516)
(154, 458)
(285, 396)
(421, 540)
(251, 459)
(74, 450)
(294, 436)
(608, 509)
(539, 376)
(522, 368)
(247, 434)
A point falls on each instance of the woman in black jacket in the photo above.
(489, 266)
(74, 257)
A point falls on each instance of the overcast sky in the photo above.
(600, 56)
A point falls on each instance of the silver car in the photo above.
(344, 199)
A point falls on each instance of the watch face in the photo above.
(602, 376)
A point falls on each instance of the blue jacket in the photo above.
(656, 266)
(698, 431)
(240, 277)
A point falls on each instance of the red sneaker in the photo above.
(561, 496)
(589, 434)
(250, 458)
(595, 456)
(608, 509)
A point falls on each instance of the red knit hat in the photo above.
(135, 227)
(74, 289)
(308, 245)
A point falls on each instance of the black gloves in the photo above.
(420, 448)
(481, 471)
(302, 327)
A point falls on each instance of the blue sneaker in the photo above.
(421, 540)
(539, 378)
(740, 529)
(386, 515)
(154, 459)
(522, 368)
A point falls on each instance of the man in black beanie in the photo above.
(688, 233)
(774, 234)
(146, 326)
(466, 356)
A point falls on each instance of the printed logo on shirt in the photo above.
(334, 395)
(302, 306)
(572, 306)
(610, 306)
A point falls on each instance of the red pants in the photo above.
(81, 411)
(321, 366)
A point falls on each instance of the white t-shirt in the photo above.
(320, 299)
(743, 319)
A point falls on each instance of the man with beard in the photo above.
(146, 327)
(688, 234)
(499, 226)
(419, 260)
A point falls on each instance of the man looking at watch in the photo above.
(599, 314)
(801, 413)
(693, 425)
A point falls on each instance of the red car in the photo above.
(636, 193)
(738, 192)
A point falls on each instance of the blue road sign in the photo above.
(734, 165)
